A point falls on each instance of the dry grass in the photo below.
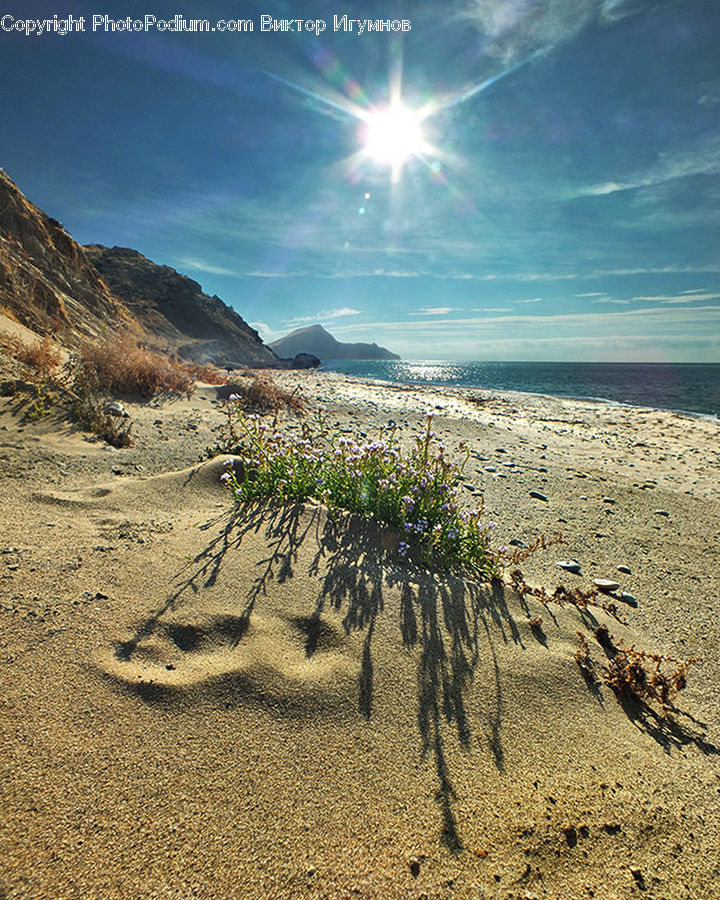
(641, 676)
(208, 373)
(121, 366)
(263, 395)
(42, 357)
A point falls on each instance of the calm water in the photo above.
(686, 387)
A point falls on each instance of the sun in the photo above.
(392, 135)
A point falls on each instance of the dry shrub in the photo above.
(263, 395)
(582, 658)
(638, 675)
(44, 357)
(121, 366)
(208, 373)
(561, 595)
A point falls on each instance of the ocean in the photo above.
(682, 387)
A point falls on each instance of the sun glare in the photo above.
(393, 135)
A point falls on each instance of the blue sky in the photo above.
(563, 203)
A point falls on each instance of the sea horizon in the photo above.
(687, 387)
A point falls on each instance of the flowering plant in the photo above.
(416, 491)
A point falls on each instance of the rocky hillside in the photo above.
(51, 284)
(174, 309)
(316, 340)
(47, 282)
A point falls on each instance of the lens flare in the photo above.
(393, 135)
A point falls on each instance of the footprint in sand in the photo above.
(293, 664)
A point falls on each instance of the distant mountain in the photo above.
(316, 340)
(174, 309)
(51, 284)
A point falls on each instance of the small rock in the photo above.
(570, 565)
(628, 598)
(516, 542)
(115, 408)
(625, 569)
(662, 512)
(490, 468)
(605, 585)
(414, 864)
(538, 496)
(608, 500)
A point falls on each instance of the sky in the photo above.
(503, 179)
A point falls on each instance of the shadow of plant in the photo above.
(445, 619)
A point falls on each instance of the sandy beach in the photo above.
(266, 702)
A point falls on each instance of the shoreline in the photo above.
(578, 397)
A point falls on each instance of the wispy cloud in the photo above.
(657, 332)
(591, 294)
(518, 28)
(531, 300)
(267, 333)
(433, 311)
(686, 297)
(200, 265)
(611, 300)
(324, 316)
(701, 159)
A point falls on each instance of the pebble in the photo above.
(662, 512)
(115, 408)
(625, 569)
(608, 500)
(516, 542)
(538, 496)
(628, 598)
(570, 565)
(490, 468)
(605, 584)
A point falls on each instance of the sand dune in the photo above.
(203, 701)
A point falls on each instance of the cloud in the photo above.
(591, 294)
(685, 297)
(611, 300)
(267, 333)
(702, 159)
(199, 265)
(433, 311)
(325, 316)
(518, 28)
(531, 300)
(649, 333)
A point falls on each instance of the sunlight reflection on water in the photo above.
(691, 387)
